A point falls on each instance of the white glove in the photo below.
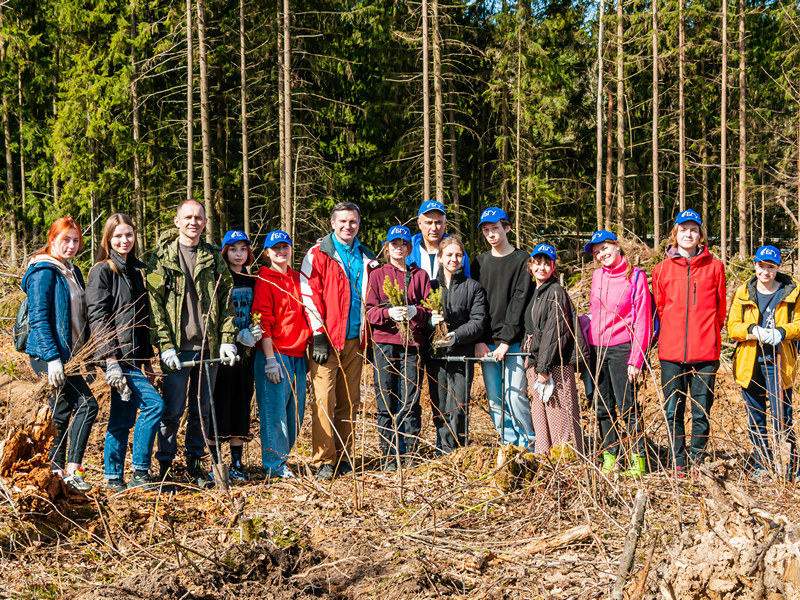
(228, 352)
(398, 313)
(436, 318)
(114, 376)
(446, 342)
(412, 311)
(774, 337)
(273, 370)
(246, 338)
(255, 329)
(547, 390)
(762, 335)
(55, 373)
(171, 360)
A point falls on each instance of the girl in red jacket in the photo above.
(280, 364)
(397, 333)
(689, 290)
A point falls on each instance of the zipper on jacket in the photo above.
(686, 333)
(694, 294)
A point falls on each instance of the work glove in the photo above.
(320, 349)
(273, 370)
(255, 329)
(547, 389)
(761, 334)
(228, 352)
(436, 317)
(446, 341)
(774, 337)
(114, 376)
(246, 338)
(55, 373)
(398, 313)
(411, 310)
(171, 360)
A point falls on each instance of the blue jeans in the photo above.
(281, 407)
(193, 384)
(515, 413)
(768, 384)
(122, 416)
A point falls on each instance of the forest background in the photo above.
(571, 115)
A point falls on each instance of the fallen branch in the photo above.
(631, 540)
(575, 535)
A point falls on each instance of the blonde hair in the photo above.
(449, 241)
(629, 269)
(104, 252)
(673, 236)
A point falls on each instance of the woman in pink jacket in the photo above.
(621, 329)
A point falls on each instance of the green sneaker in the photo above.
(609, 462)
(638, 468)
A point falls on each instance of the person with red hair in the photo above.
(57, 315)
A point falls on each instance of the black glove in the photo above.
(321, 348)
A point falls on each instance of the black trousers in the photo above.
(450, 380)
(397, 377)
(616, 400)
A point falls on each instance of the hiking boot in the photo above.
(165, 471)
(77, 482)
(638, 468)
(235, 474)
(116, 485)
(144, 482)
(325, 472)
(343, 468)
(197, 475)
(609, 462)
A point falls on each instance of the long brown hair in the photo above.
(673, 236)
(629, 268)
(104, 252)
(58, 227)
(533, 260)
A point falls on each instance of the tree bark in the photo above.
(609, 156)
(281, 133)
(205, 120)
(189, 103)
(742, 139)
(723, 145)
(681, 108)
(620, 125)
(704, 153)
(286, 206)
(245, 150)
(456, 200)
(656, 195)
(10, 188)
(598, 180)
(438, 102)
(426, 109)
(138, 201)
(517, 207)
(505, 150)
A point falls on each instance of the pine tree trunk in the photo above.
(505, 150)
(281, 133)
(456, 200)
(438, 103)
(517, 211)
(23, 179)
(681, 108)
(189, 103)
(620, 124)
(245, 151)
(426, 109)
(598, 180)
(723, 145)
(10, 188)
(138, 201)
(286, 206)
(742, 139)
(609, 156)
(656, 195)
(205, 120)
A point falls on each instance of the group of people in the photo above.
(224, 332)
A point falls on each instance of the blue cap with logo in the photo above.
(430, 205)
(493, 214)
(398, 232)
(277, 237)
(602, 235)
(233, 236)
(688, 215)
(770, 253)
(545, 249)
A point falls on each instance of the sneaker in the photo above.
(235, 474)
(343, 468)
(116, 485)
(144, 481)
(286, 473)
(759, 475)
(638, 468)
(680, 472)
(325, 472)
(197, 475)
(165, 471)
(77, 482)
(609, 462)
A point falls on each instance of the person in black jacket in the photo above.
(550, 367)
(466, 314)
(119, 318)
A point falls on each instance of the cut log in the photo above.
(582, 533)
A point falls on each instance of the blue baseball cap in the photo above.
(688, 215)
(430, 205)
(493, 214)
(233, 236)
(546, 249)
(768, 253)
(398, 232)
(277, 237)
(602, 235)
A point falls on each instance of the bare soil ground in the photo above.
(478, 523)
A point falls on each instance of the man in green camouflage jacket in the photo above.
(189, 285)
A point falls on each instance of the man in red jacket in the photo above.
(333, 281)
(690, 294)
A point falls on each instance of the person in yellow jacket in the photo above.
(763, 321)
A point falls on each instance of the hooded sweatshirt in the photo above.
(77, 296)
(621, 314)
(278, 300)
